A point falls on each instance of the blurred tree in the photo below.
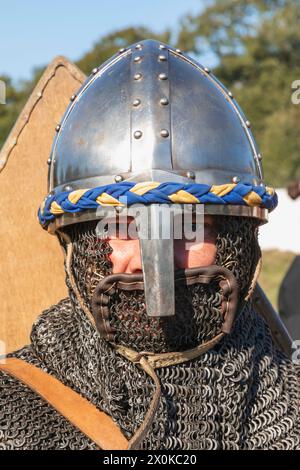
(9, 112)
(16, 96)
(256, 44)
(109, 44)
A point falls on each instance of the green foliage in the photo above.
(101, 51)
(10, 111)
(275, 265)
(16, 97)
(256, 44)
(109, 44)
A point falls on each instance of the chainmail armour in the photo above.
(242, 394)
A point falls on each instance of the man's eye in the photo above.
(115, 230)
(122, 231)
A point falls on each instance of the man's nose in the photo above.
(180, 255)
(135, 262)
(125, 256)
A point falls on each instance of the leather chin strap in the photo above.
(100, 302)
(149, 361)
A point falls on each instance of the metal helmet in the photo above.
(153, 116)
(151, 113)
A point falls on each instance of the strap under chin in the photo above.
(149, 362)
(106, 288)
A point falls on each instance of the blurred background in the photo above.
(253, 46)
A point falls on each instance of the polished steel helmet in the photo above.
(152, 115)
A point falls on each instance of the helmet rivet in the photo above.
(73, 97)
(236, 179)
(39, 94)
(123, 49)
(57, 128)
(207, 70)
(49, 161)
(248, 123)
(137, 76)
(68, 188)
(162, 46)
(162, 57)
(259, 156)
(118, 178)
(163, 76)
(95, 70)
(138, 134)
(138, 58)
(230, 94)
(136, 102)
(164, 101)
(191, 175)
(179, 51)
(164, 133)
(139, 47)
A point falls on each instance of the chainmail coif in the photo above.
(243, 394)
(197, 316)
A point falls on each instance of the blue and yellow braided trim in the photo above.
(128, 193)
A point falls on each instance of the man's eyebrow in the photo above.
(121, 220)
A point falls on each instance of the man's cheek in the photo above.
(200, 254)
(192, 254)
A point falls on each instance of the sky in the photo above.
(33, 32)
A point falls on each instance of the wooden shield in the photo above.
(31, 268)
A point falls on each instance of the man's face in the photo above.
(125, 256)
(228, 242)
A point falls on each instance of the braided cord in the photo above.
(129, 193)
